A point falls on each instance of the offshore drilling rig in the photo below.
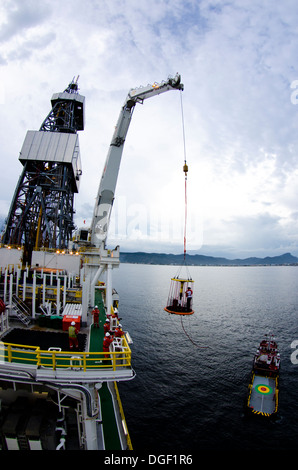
(41, 211)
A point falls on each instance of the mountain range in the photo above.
(202, 260)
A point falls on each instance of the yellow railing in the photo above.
(128, 440)
(22, 354)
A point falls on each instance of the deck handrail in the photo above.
(83, 360)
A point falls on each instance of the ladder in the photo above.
(21, 310)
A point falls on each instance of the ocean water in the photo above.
(192, 377)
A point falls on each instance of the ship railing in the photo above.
(55, 359)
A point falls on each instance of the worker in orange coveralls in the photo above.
(95, 313)
(108, 339)
(119, 332)
(72, 335)
(106, 326)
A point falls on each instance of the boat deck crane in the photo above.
(94, 239)
(106, 191)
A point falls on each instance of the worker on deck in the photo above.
(116, 313)
(118, 331)
(95, 313)
(108, 339)
(72, 335)
(106, 326)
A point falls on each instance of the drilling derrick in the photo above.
(41, 212)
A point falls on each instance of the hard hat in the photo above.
(73, 323)
(107, 334)
(95, 306)
(120, 326)
(107, 319)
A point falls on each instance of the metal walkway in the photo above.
(109, 423)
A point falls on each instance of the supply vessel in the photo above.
(264, 384)
(58, 392)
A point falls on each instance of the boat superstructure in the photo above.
(264, 384)
(57, 393)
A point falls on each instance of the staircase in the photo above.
(21, 310)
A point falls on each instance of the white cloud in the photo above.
(237, 61)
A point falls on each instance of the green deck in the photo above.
(109, 423)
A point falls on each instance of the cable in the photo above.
(185, 169)
(185, 217)
(183, 131)
(195, 344)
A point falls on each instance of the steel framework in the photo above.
(42, 209)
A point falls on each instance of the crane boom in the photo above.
(107, 186)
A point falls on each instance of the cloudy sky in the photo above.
(238, 62)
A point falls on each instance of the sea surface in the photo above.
(192, 373)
